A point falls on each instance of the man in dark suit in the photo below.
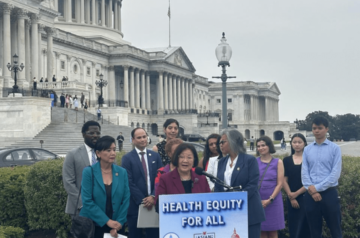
(62, 100)
(76, 160)
(141, 165)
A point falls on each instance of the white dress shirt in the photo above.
(229, 170)
(147, 167)
(89, 152)
(212, 169)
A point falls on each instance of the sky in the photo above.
(310, 49)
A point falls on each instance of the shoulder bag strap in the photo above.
(262, 177)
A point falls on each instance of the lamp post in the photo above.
(223, 54)
(16, 68)
(101, 83)
(207, 118)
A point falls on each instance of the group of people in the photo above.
(111, 194)
(68, 101)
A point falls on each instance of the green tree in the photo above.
(346, 126)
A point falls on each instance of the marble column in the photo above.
(191, 104)
(143, 94)
(241, 108)
(68, 65)
(96, 12)
(160, 91)
(267, 118)
(179, 95)
(87, 11)
(40, 65)
(183, 94)
(34, 47)
(166, 98)
(27, 52)
(78, 11)
(187, 104)
(93, 12)
(21, 15)
(111, 85)
(148, 98)
(170, 92)
(1, 44)
(116, 15)
(110, 14)
(174, 89)
(93, 79)
(7, 40)
(119, 17)
(82, 12)
(68, 11)
(126, 83)
(137, 89)
(102, 12)
(50, 59)
(132, 88)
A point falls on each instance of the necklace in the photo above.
(105, 171)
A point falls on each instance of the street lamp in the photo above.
(101, 83)
(207, 118)
(223, 54)
(15, 67)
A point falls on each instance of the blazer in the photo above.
(76, 160)
(137, 180)
(246, 174)
(170, 183)
(94, 198)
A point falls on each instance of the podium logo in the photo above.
(205, 235)
(171, 235)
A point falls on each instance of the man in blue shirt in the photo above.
(321, 169)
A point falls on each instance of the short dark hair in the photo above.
(180, 149)
(301, 136)
(87, 124)
(268, 142)
(134, 130)
(169, 121)
(320, 121)
(104, 143)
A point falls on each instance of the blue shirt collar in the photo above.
(326, 142)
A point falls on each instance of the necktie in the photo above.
(144, 165)
(93, 157)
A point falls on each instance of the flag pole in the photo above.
(169, 14)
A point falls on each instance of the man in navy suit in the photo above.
(141, 165)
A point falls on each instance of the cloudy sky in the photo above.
(309, 48)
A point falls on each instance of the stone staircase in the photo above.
(60, 136)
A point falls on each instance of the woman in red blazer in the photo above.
(183, 179)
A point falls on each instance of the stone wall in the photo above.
(23, 117)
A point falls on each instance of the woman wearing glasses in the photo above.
(240, 169)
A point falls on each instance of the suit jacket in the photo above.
(75, 162)
(248, 177)
(94, 198)
(170, 183)
(137, 180)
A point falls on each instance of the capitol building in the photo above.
(82, 40)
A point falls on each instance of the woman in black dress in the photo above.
(298, 224)
(171, 130)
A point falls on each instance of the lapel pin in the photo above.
(238, 168)
(116, 174)
(149, 154)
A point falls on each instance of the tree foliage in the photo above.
(344, 127)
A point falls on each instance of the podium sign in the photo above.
(204, 215)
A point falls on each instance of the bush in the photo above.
(45, 197)
(11, 232)
(119, 156)
(12, 211)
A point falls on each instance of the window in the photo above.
(199, 96)
(97, 73)
(88, 71)
(75, 69)
(21, 155)
(62, 65)
(43, 155)
(204, 97)
(230, 116)
(218, 100)
(230, 100)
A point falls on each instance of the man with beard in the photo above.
(76, 160)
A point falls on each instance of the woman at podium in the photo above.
(239, 169)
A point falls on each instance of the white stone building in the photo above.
(82, 39)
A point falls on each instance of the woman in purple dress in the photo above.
(270, 183)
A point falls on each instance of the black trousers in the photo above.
(255, 230)
(251, 145)
(120, 146)
(329, 208)
(298, 224)
(135, 232)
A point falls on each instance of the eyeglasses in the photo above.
(222, 142)
(91, 133)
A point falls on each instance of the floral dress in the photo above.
(161, 150)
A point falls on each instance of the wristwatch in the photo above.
(271, 199)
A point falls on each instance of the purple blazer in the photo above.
(170, 183)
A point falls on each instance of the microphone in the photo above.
(201, 171)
